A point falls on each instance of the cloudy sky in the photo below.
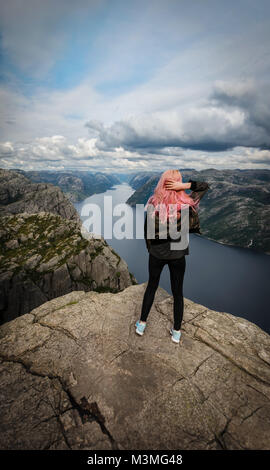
(134, 85)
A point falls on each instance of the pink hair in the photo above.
(162, 197)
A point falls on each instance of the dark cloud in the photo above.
(94, 126)
(253, 98)
(235, 115)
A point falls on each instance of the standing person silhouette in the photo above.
(169, 190)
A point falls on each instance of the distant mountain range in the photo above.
(77, 185)
(235, 210)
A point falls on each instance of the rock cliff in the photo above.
(18, 194)
(43, 256)
(74, 375)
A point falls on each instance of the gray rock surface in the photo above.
(18, 194)
(43, 256)
(74, 375)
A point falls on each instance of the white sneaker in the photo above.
(176, 335)
(140, 327)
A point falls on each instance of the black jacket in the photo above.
(198, 188)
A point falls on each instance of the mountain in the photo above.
(234, 211)
(77, 185)
(43, 256)
(43, 250)
(74, 375)
(18, 194)
(122, 177)
(139, 179)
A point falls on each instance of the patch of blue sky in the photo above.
(72, 63)
(72, 66)
(12, 76)
(117, 86)
(74, 116)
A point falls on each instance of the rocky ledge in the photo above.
(18, 194)
(43, 256)
(74, 375)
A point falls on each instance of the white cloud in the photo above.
(55, 153)
(6, 149)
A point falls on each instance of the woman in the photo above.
(169, 190)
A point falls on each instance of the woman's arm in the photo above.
(170, 184)
(198, 188)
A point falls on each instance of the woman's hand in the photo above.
(171, 184)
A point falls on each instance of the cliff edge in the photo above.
(43, 256)
(74, 375)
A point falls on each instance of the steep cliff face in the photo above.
(43, 256)
(18, 194)
(74, 375)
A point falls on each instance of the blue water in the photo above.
(223, 278)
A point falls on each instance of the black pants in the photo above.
(177, 270)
